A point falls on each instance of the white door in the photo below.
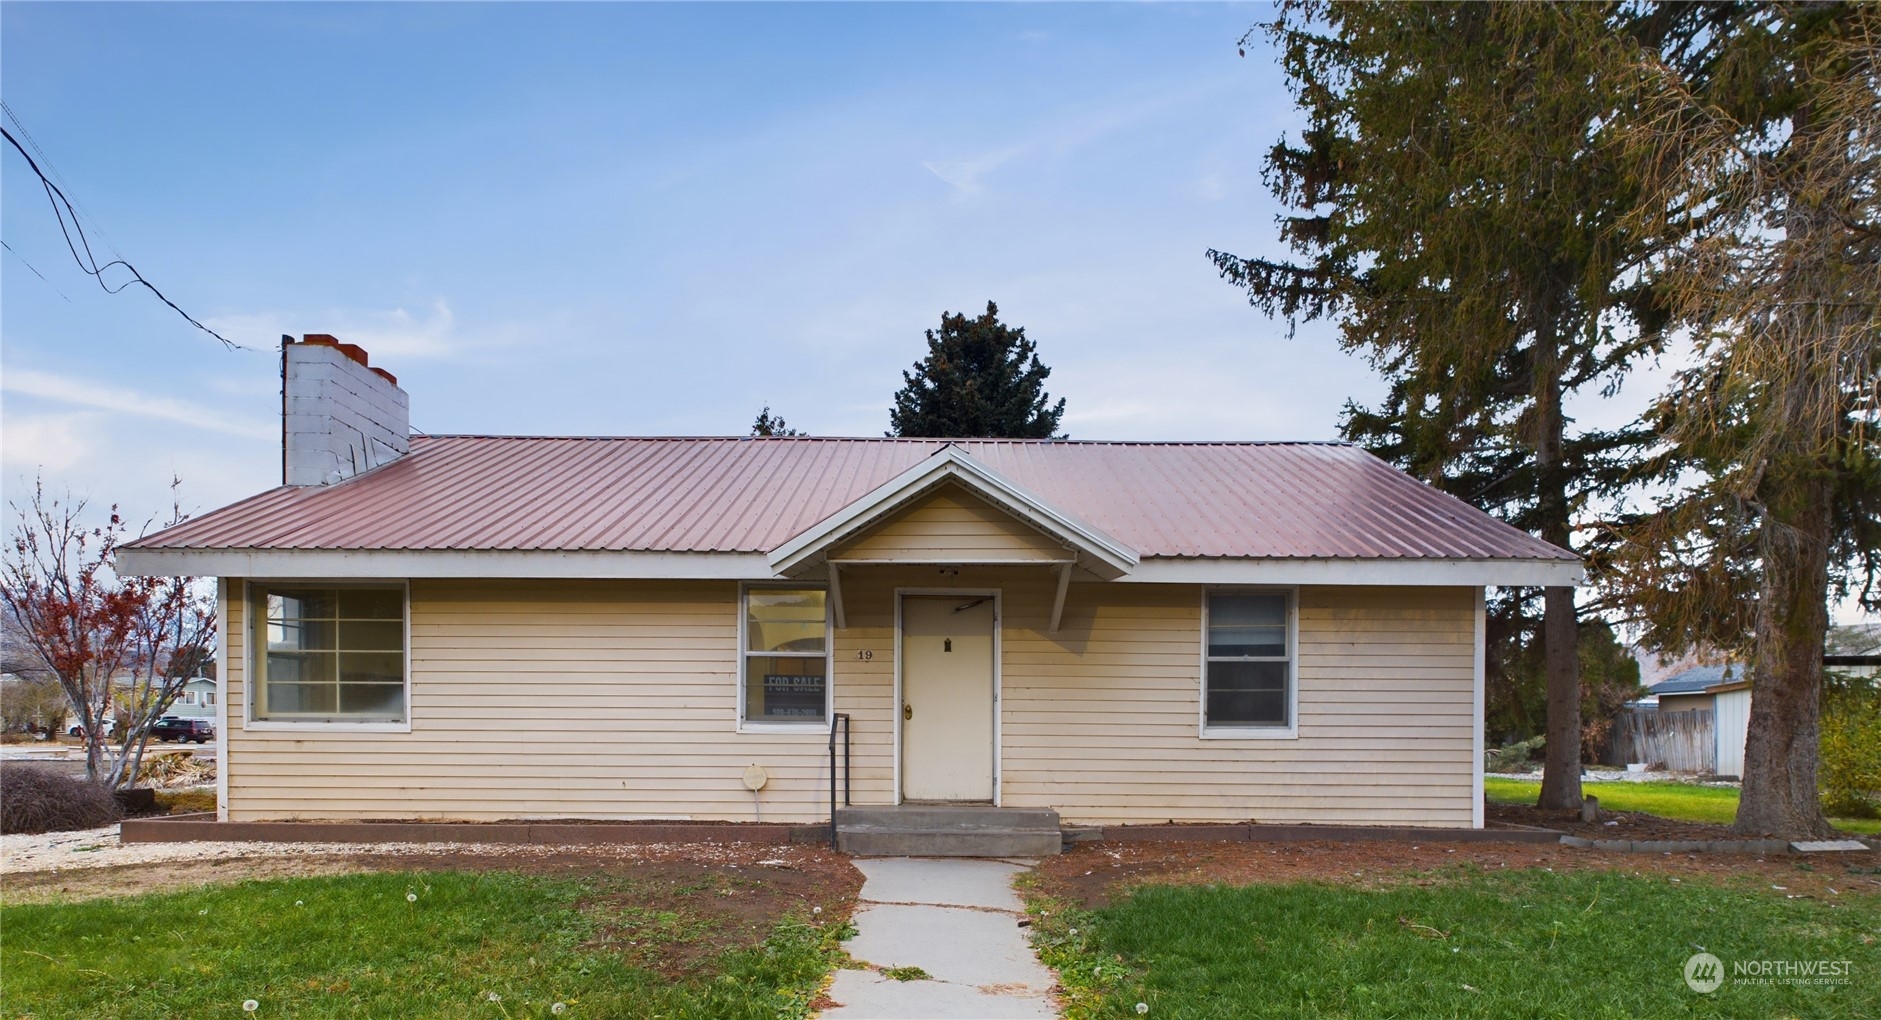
(947, 698)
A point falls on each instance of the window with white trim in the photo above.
(328, 654)
(1248, 661)
(785, 657)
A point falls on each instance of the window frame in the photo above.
(253, 677)
(743, 653)
(1243, 731)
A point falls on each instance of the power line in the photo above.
(36, 272)
(89, 262)
(97, 227)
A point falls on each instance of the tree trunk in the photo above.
(1781, 748)
(1560, 629)
(1560, 641)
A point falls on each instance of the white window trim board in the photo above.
(224, 745)
(1478, 676)
(1291, 731)
(810, 728)
(251, 671)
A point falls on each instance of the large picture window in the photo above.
(329, 654)
(786, 656)
(1248, 661)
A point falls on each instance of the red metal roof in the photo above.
(1315, 500)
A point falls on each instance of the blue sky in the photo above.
(633, 219)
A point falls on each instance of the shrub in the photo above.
(1849, 774)
(39, 799)
(1514, 757)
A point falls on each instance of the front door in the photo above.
(947, 697)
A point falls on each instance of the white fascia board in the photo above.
(1401, 571)
(951, 464)
(389, 563)
(403, 563)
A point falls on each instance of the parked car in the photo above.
(78, 729)
(181, 730)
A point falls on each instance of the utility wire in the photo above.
(36, 272)
(97, 227)
(89, 262)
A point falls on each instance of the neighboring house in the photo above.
(1686, 690)
(197, 701)
(1653, 668)
(1720, 697)
(474, 627)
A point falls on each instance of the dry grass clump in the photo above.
(38, 799)
(178, 802)
(180, 768)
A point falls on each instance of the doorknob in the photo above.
(907, 711)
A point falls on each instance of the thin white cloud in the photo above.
(964, 174)
(397, 333)
(103, 397)
(52, 442)
(1069, 134)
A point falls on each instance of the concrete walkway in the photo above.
(958, 920)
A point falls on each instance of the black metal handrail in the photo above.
(843, 719)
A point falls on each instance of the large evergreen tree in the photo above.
(1769, 169)
(1455, 204)
(980, 378)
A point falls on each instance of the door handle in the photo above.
(907, 711)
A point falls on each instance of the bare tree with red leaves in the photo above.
(119, 646)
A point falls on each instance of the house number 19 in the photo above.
(864, 655)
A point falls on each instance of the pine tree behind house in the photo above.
(980, 378)
(1454, 204)
(769, 424)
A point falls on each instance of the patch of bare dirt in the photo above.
(671, 916)
(1610, 825)
(1094, 874)
(165, 876)
(745, 887)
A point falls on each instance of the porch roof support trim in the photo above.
(836, 596)
(1058, 600)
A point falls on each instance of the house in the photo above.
(482, 627)
(1695, 720)
(1686, 690)
(197, 700)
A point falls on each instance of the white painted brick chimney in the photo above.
(339, 416)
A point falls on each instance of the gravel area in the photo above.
(1688, 778)
(99, 848)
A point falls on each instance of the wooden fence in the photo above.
(1681, 741)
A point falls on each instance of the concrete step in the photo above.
(948, 830)
(874, 842)
(949, 816)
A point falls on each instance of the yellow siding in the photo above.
(1102, 723)
(558, 700)
(952, 526)
(566, 699)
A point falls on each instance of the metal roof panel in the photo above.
(1256, 500)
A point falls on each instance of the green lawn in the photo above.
(1531, 943)
(498, 945)
(1717, 804)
